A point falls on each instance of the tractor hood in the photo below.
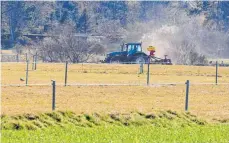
(115, 54)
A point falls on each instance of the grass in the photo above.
(66, 127)
(44, 120)
(120, 134)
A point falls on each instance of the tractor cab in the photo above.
(131, 48)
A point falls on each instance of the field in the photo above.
(166, 92)
(105, 73)
(208, 101)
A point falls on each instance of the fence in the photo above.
(207, 100)
(95, 81)
(68, 73)
(10, 58)
(19, 57)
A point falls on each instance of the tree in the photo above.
(64, 45)
(19, 18)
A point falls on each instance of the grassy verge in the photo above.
(161, 126)
(114, 133)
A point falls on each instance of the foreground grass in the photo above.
(162, 126)
(114, 133)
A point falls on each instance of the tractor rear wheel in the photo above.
(115, 61)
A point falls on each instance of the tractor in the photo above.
(132, 53)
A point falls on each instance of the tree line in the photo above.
(113, 22)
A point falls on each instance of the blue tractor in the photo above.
(130, 53)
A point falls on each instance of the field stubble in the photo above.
(207, 101)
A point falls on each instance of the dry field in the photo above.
(207, 101)
(104, 73)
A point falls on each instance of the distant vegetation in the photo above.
(175, 28)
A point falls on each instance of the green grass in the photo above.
(66, 127)
(62, 119)
(114, 133)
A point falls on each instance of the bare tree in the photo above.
(65, 45)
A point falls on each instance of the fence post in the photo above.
(53, 95)
(35, 60)
(148, 71)
(27, 72)
(187, 95)
(33, 63)
(17, 58)
(66, 73)
(141, 68)
(26, 57)
(216, 73)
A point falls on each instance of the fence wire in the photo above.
(112, 84)
(210, 101)
(109, 74)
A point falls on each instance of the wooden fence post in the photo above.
(35, 60)
(17, 58)
(33, 63)
(187, 95)
(53, 95)
(141, 68)
(148, 71)
(27, 72)
(216, 73)
(26, 57)
(66, 73)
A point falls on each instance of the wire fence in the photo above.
(108, 87)
(203, 99)
(29, 74)
(111, 84)
(226, 64)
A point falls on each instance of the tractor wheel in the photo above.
(140, 60)
(115, 61)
